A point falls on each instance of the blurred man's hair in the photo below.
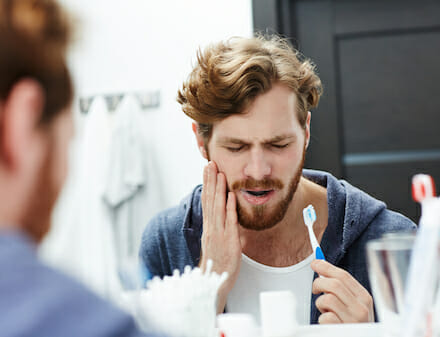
(34, 35)
(230, 74)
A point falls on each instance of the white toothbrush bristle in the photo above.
(309, 215)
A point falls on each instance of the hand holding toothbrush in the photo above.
(344, 299)
(220, 237)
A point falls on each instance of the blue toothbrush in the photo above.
(309, 219)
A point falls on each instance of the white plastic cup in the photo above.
(278, 313)
(237, 325)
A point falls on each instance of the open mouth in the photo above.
(258, 193)
(257, 197)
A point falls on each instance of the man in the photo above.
(35, 128)
(251, 100)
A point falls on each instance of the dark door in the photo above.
(377, 124)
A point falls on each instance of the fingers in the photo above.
(328, 270)
(210, 189)
(208, 193)
(220, 201)
(343, 294)
(231, 212)
(329, 318)
(205, 183)
(348, 281)
(220, 238)
(331, 303)
(347, 310)
(333, 286)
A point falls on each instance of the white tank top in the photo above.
(255, 277)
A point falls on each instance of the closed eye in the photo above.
(280, 146)
(235, 148)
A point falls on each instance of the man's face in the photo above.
(262, 153)
(52, 174)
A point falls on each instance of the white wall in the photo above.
(142, 45)
(126, 46)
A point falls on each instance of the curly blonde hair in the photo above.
(34, 36)
(230, 74)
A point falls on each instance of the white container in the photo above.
(237, 325)
(278, 313)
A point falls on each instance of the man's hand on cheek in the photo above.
(344, 299)
(220, 238)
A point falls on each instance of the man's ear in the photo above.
(19, 118)
(309, 117)
(200, 141)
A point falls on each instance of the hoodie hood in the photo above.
(350, 213)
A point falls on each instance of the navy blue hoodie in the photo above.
(172, 239)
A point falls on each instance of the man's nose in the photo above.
(258, 166)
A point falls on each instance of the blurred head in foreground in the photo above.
(35, 118)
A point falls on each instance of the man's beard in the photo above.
(37, 219)
(260, 217)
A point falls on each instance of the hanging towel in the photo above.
(126, 169)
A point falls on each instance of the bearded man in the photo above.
(250, 99)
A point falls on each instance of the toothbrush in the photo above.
(309, 219)
(424, 260)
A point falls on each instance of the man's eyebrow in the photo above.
(276, 139)
(280, 138)
(231, 140)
